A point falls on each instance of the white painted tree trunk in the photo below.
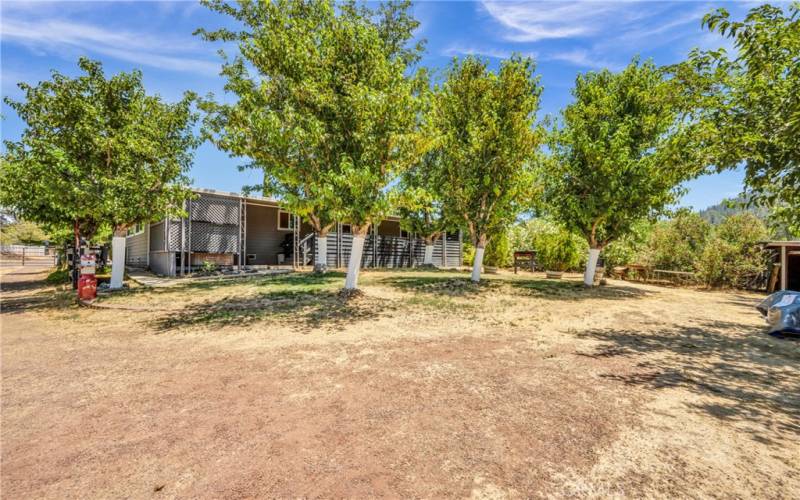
(354, 266)
(428, 255)
(591, 267)
(117, 261)
(321, 260)
(477, 264)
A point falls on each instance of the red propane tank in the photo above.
(87, 287)
(87, 283)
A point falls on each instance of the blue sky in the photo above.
(565, 38)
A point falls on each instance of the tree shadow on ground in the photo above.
(33, 300)
(532, 287)
(441, 285)
(574, 290)
(303, 310)
(746, 375)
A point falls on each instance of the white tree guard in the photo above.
(477, 265)
(591, 267)
(428, 255)
(321, 260)
(118, 261)
(354, 265)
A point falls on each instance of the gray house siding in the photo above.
(213, 231)
(136, 249)
(263, 237)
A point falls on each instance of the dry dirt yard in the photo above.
(425, 387)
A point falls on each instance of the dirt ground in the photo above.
(425, 387)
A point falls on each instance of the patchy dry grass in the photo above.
(426, 386)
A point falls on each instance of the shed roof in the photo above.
(782, 243)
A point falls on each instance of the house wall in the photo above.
(163, 263)
(263, 237)
(136, 249)
(157, 237)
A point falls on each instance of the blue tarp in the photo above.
(782, 312)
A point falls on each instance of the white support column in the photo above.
(117, 261)
(784, 269)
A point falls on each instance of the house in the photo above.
(229, 229)
(787, 264)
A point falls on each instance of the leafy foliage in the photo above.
(418, 200)
(732, 257)
(97, 151)
(498, 251)
(629, 248)
(749, 106)
(22, 232)
(323, 106)
(540, 235)
(678, 243)
(620, 153)
(484, 127)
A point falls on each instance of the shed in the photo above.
(788, 258)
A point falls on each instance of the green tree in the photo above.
(323, 106)
(749, 104)
(22, 232)
(484, 125)
(619, 156)
(97, 151)
(419, 203)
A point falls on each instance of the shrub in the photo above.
(732, 256)
(498, 251)
(559, 251)
(540, 235)
(629, 248)
(677, 244)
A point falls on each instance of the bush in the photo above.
(58, 277)
(732, 256)
(498, 251)
(559, 251)
(629, 248)
(677, 244)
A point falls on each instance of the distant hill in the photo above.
(731, 206)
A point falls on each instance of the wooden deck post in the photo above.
(784, 269)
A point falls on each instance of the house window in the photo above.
(285, 221)
(347, 229)
(136, 229)
(404, 233)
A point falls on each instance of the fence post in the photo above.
(23, 256)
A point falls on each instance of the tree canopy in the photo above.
(97, 151)
(323, 104)
(750, 105)
(483, 122)
(619, 153)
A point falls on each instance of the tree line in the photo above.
(330, 103)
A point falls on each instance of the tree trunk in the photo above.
(591, 267)
(76, 254)
(354, 266)
(477, 263)
(118, 258)
(321, 254)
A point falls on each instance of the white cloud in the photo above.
(458, 50)
(145, 49)
(534, 21)
(583, 58)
